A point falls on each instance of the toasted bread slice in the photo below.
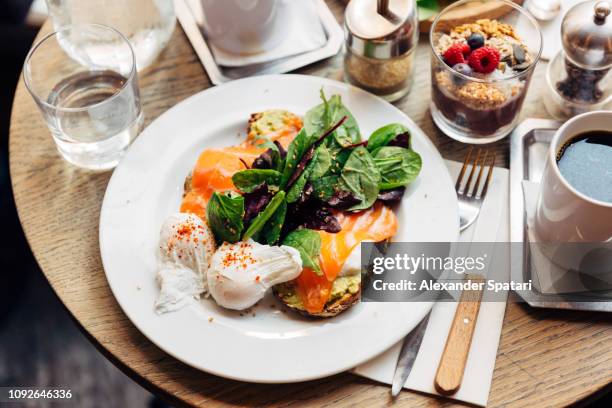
(187, 186)
(346, 291)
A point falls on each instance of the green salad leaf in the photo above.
(384, 135)
(318, 119)
(296, 188)
(262, 218)
(361, 176)
(320, 163)
(308, 243)
(316, 168)
(295, 151)
(398, 166)
(272, 229)
(224, 213)
(325, 187)
(248, 180)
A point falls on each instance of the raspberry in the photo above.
(484, 60)
(456, 54)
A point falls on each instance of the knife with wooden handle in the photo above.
(407, 356)
(454, 357)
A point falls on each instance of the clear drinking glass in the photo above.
(91, 104)
(482, 108)
(147, 24)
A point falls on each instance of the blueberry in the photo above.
(464, 69)
(475, 41)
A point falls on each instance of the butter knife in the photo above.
(408, 353)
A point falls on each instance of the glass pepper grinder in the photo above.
(381, 36)
(578, 77)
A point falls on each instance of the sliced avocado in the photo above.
(345, 292)
(264, 123)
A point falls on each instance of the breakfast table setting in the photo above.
(488, 107)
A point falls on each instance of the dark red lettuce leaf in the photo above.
(255, 202)
(309, 212)
(392, 196)
(342, 199)
(322, 219)
(401, 140)
(266, 159)
(281, 150)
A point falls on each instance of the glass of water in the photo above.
(84, 80)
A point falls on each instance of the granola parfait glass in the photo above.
(481, 69)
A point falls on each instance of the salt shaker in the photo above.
(578, 77)
(381, 36)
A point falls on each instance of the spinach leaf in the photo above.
(398, 166)
(322, 116)
(320, 163)
(224, 213)
(339, 157)
(296, 150)
(296, 188)
(272, 230)
(260, 220)
(325, 187)
(248, 180)
(316, 168)
(384, 135)
(348, 133)
(308, 243)
(361, 177)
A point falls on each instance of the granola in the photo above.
(493, 42)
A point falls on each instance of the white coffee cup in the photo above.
(570, 226)
(244, 26)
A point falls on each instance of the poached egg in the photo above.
(186, 246)
(241, 273)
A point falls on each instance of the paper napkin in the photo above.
(305, 34)
(493, 221)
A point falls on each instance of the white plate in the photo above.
(270, 346)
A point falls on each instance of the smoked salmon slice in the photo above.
(376, 224)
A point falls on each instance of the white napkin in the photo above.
(306, 34)
(550, 278)
(481, 361)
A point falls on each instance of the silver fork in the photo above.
(470, 199)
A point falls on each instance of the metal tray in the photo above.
(219, 74)
(528, 146)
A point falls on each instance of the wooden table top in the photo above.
(545, 358)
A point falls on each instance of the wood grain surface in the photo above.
(546, 357)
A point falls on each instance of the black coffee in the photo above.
(586, 163)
